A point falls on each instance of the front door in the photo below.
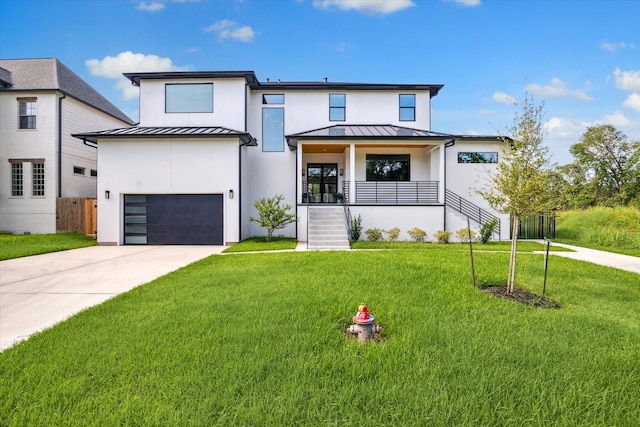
(322, 182)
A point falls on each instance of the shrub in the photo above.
(356, 228)
(393, 234)
(463, 235)
(374, 234)
(442, 236)
(273, 215)
(487, 230)
(417, 234)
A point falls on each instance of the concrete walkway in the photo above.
(39, 291)
(609, 259)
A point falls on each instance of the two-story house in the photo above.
(42, 102)
(209, 144)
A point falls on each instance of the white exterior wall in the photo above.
(166, 166)
(228, 104)
(33, 214)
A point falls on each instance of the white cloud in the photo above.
(382, 7)
(153, 6)
(503, 98)
(487, 112)
(227, 29)
(112, 67)
(466, 3)
(611, 47)
(627, 80)
(556, 89)
(633, 101)
(618, 119)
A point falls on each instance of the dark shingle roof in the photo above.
(167, 132)
(51, 74)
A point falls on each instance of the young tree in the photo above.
(520, 185)
(273, 215)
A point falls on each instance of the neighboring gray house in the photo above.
(42, 102)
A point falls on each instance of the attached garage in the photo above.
(173, 219)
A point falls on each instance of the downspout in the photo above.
(64, 95)
(447, 144)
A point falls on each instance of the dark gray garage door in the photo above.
(173, 219)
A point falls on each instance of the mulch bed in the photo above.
(521, 296)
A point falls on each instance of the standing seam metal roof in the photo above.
(167, 132)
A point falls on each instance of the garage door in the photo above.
(173, 219)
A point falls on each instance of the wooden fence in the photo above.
(76, 215)
(536, 227)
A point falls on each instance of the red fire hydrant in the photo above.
(364, 327)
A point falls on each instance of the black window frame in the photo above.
(273, 99)
(79, 170)
(477, 157)
(411, 108)
(280, 147)
(392, 158)
(333, 108)
(187, 111)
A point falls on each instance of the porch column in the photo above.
(352, 173)
(443, 169)
(299, 169)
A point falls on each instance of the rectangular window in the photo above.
(407, 108)
(273, 129)
(273, 99)
(388, 167)
(78, 170)
(17, 180)
(38, 179)
(27, 113)
(337, 107)
(94, 173)
(189, 98)
(471, 157)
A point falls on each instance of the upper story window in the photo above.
(27, 113)
(337, 107)
(273, 129)
(407, 108)
(94, 173)
(475, 157)
(273, 99)
(189, 98)
(388, 167)
(17, 180)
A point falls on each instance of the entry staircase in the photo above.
(470, 210)
(327, 228)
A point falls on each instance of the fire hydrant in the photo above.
(364, 327)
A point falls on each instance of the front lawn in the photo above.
(258, 340)
(16, 246)
(259, 244)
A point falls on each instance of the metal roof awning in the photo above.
(366, 132)
(167, 132)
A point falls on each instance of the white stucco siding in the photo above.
(228, 104)
(428, 218)
(28, 213)
(166, 166)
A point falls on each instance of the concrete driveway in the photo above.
(39, 291)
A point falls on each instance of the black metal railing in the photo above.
(347, 211)
(397, 192)
(474, 212)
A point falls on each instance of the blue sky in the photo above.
(581, 58)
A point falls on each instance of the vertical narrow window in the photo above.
(337, 107)
(38, 179)
(17, 180)
(407, 108)
(273, 129)
(27, 113)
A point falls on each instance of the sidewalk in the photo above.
(609, 259)
(39, 291)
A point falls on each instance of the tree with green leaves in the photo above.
(273, 215)
(607, 167)
(520, 185)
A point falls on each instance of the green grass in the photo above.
(258, 339)
(609, 229)
(16, 246)
(259, 244)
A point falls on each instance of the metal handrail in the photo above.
(465, 207)
(345, 204)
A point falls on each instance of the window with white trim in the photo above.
(17, 180)
(38, 179)
(27, 113)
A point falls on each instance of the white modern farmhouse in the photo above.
(42, 102)
(209, 144)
